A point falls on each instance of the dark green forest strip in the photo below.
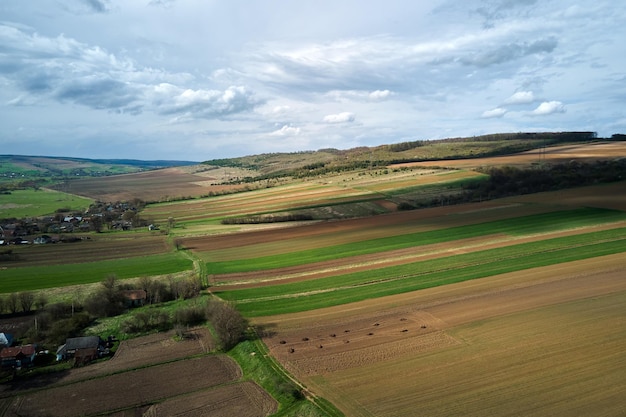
(310, 295)
(519, 226)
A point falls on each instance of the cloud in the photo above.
(98, 6)
(549, 107)
(345, 117)
(497, 112)
(66, 70)
(379, 95)
(521, 97)
(500, 9)
(503, 53)
(99, 93)
(164, 3)
(286, 130)
(170, 99)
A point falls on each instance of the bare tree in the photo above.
(12, 303)
(228, 323)
(27, 299)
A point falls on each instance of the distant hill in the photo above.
(325, 160)
(15, 168)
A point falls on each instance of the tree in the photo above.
(12, 303)
(97, 223)
(228, 323)
(107, 301)
(27, 299)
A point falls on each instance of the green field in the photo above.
(32, 203)
(36, 277)
(518, 226)
(342, 289)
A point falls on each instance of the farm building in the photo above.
(134, 298)
(84, 349)
(18, 356)
(6, 340)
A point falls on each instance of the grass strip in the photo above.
(41, 277)
(518, 226)
(325, 292)
(258, 365)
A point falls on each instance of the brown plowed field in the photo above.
(144, 185)
(245, 399)
(350, 230)
(337, 350)
(128, 389)
(90, 250)
(147, 350)
(150, 375)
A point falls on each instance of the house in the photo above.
(83, 349)
(42, 240)
(6, 340)
(18, 356)
(134, 298)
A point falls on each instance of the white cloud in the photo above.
(203, 103)
(286, 130)
(521, 97)
(497, 112)
(379, 95)
(345, 117)
(549, 107)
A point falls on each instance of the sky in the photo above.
(205, 79)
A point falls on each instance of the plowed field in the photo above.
(506, 340)
(152, 375)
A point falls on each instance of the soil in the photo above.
(128, 389)
(151, 375)
(242, 400)
(331, 339)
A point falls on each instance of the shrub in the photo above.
(190, 316)
(146, 321)
(230, 326)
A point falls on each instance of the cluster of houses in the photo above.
(42, 230)
(81, 349)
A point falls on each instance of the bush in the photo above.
(190, 316)
(143, 321)
(230, 326)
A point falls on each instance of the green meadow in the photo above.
(40, 202)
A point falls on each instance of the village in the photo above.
(58, 228)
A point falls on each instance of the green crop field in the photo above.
(336, 290)
(30, 203)
(518, 226)
(41, 277)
